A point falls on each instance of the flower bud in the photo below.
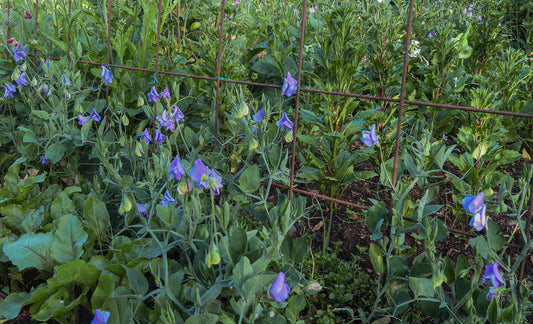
(139, 150)
(288, 137)
(125, 120)
(253, 145)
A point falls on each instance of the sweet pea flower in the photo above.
(312, 9)
(177, 116)
(146, 136)
(280, 289)
(176, 169)
(21, 80)
(493, 293)
(153, 95)
(94, 115)
(10, 40)
(369, 138)
(28, 15)
(260, 115)
(45, 89)
(479, 220)
(106, 75)
(167, 198)
(44, 159)
(141, 210)
(493, 274)
(473, 204)
(68, 83)
(10, 90)
(432, 34)
(46, 63)
(165, 122)
(285, 122)
(235, 2)
(100, 317)
(289, 85)
(82, 119)
(159, 138)
(19, 51)
(166, 93)
(214, 182)
(200, 174)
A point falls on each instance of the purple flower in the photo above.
(235, 2)
(175, 169)
(159, 138)
(473, 204)
(260, 115)
(200, 174)
(177, 115)
(285, 122)
(432, 34)
(493, 274)
(106, 75)
(28, 15)
(141, 210)
(479, 220)
(289, 85)
(10, 90)
(82, 119)
(94, 115)
(165, 122)
(167, 198)
(44, 159)
(21, 80)
(100, 317)
(280, 289)
(68, 83)
(215, 182)
(19, 51)
(370, 138)
(153, 95)
(46, 63)
(493, 293)
(146, 136)
(166, 93)
(45, 89)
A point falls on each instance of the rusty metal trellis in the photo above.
(219, 79)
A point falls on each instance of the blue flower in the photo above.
(493, 293)
(167, 198)
(289, 85)
(19, 51)
(10, 90)
(82, 119)
(200, 174)
(45, 89)
(141, 210)
(285, 122)
(177, 115)
(153, 95)
(44, 159)
(146, 136)
(106, 75)
(68, 83)
(166, 93)
(370, 138)
(46, 63)
(280, 289)
(493, 274)
(260, 115)
(214, 182)
(94, 115)
(21, 80)
(100, 317)
(473, 204)
(165, 122)
(432, 34)
(158, 137)
(176, 169)
(479, 220)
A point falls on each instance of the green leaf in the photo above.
(76, 271)
(238, 243)
(495, 237)
(62, 205)
(202, 319)
(294, 249)
(481, 246)
(242, 272)
(250, 180)
(375, 216)
(10, 307)
(377, 258)
(493, 312)
(421, 287)
(55, 152)
(137, 281)
(104, 291)
(69, 239)
(95, 212)
(31, 250)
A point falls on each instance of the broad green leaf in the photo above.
(55, 152)
(137, 281)
(11, 305)
(238, 243)
(69, 239)
(242, 271)
(31, 250)
(77, 271)
(422, 287)
(250, 179)
(104, 291)
(377, 258)
(62, 205)
(95, 212)
(495, 237)
(202, 319)
(481, 246)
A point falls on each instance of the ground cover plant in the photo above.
(269, 161)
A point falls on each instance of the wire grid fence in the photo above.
(219, 79)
